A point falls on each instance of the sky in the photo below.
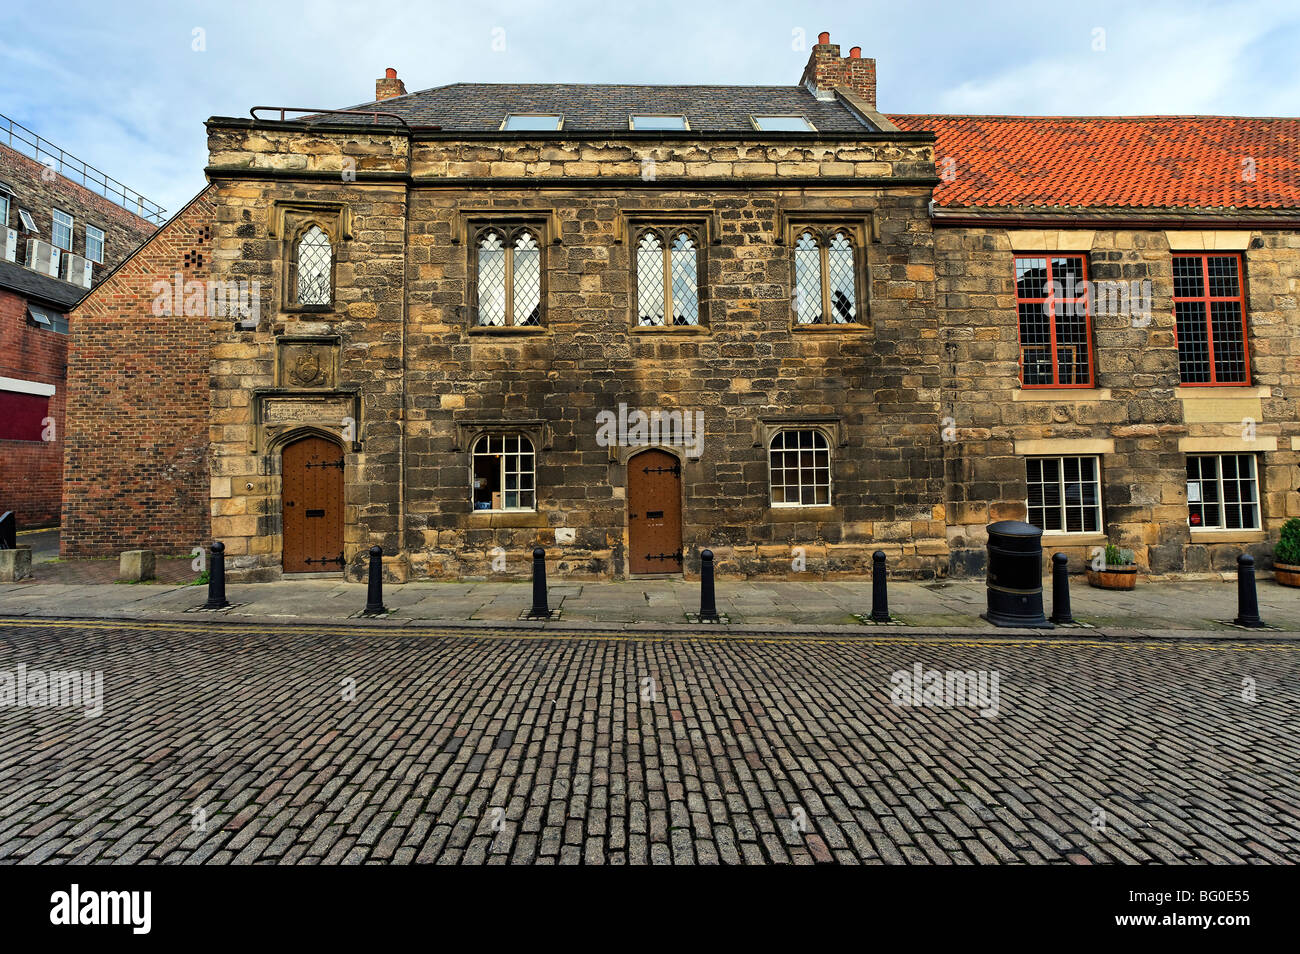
(126, 85)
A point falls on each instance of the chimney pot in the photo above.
(388, 86)
(855, 53)
(823, 38)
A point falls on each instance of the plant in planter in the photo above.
(1286, 555)
(1116, 571)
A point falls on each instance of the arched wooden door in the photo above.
(654, 513)
(312, 497)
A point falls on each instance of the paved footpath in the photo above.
(238, 742)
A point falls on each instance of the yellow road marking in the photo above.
(449, 633)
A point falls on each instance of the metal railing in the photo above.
(22, 140)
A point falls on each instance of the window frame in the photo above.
(1063, 505)
(474, 453)
(1207, 299)
(5, 203)
(755, 118)
(558, 117)
(28, 221)
(1086, 298)
(823, 232)
(667, 234)
(55, 225)
(295, 301)
(102, 240)
(633, 117)
(509, 230)
(779, 432)
(1256, 504)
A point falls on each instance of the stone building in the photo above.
(628, 323)
(63, 227)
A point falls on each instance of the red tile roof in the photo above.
(1129, 162)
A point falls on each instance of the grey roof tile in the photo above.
(30, 284)
(481, 107)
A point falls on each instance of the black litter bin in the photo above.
(1015, 576)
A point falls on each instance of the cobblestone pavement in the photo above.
(236, 743)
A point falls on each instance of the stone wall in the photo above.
(1138, 417)
(403, 338)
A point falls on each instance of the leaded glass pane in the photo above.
(684, 264)
(844, 307)
(807, 280)
(528, 280)
(650, 280)
(491, 280)
(314, 255)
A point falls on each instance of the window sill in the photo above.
(1213, 392)
(802, 514)
(479, 519)
(507, 330)
(307, 309)
(853, 328)
(1229, 536)
(1073, 540)
(1061, 394)
(670, 329)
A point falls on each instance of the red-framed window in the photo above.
(1210, 319)
(1055, 312)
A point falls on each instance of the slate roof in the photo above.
(1194, 162)
(481, 107)
(52, 291)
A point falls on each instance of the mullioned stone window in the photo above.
(829, 287)
(668, 276)
(509, 276)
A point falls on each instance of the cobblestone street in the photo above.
(226, 743)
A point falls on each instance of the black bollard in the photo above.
(1247, 604)
(375, 592)
(540, 609)
(1061, 589)
(217, 578)
(879, 588)
(708, 603)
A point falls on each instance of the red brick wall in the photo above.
(31, 471)
(136, 441)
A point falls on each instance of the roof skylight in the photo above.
(531, 122)
(782, 124)
(653, 121)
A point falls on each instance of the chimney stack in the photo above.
(827, 70)
(389, 86)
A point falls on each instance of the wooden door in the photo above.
(654, 513)
(312, 494)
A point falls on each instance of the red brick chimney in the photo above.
(389, 86)
(826, 70)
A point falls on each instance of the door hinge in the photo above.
(665, 556)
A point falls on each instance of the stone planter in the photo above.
(1113, 577)
(1286, 574)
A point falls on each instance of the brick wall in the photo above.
(136, 471)
(31, 471)
(39, 192)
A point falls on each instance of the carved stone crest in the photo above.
(307, 363)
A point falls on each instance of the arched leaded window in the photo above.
(502, 473)
(667, 277)
(509, 277)
(313, 264)
(825, 277)
(799, 468)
